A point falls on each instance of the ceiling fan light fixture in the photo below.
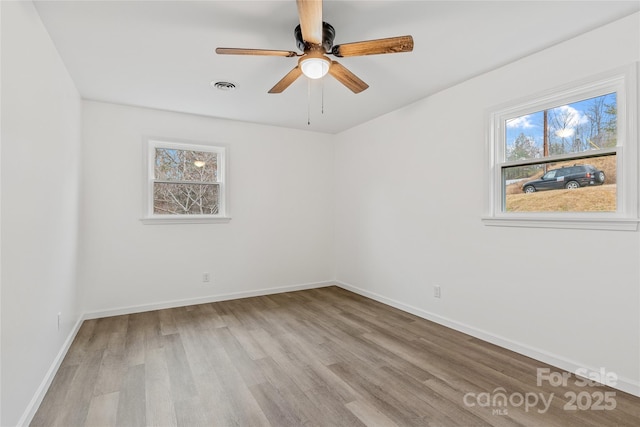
(315, 68)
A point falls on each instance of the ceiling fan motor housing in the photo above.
(328, 34)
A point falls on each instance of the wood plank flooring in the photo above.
(322, 357)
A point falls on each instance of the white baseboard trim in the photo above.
(33, 406)
(204, 300)
(626, 385)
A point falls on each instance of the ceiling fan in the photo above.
(315, 38)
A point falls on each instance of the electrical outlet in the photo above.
(59, 319)
(206, 278)
(436, 292)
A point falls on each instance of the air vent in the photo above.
(226, 86)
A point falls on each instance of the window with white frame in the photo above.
(567, 158)
(185, 182)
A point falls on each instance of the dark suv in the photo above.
(566, 177)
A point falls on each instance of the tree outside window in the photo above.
(185, 182)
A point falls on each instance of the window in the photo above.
(185, 182)
(567, 158)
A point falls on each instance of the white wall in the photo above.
(280, 197)
(410, 196)
(41, 114)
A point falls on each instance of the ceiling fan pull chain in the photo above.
(308, 102)
(322, 97)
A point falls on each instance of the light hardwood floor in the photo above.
(322, 357)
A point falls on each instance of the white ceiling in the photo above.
(161, 54)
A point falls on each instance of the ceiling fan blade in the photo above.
(264, 52)
(310, 14)
(375, 47)
(346, 77)
(286, 80)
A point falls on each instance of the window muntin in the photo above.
(185, 182)
(618, 139)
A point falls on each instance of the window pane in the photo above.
(524, 137)
(582, 126)
(584, 185)
(590, 124)
(185, 199)
(184, 165)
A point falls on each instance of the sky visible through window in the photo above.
(581, 126)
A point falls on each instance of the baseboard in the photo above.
(623, 384)
(33, 406)
(204, 300)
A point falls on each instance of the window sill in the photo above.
(615, 224)
(174, 219)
